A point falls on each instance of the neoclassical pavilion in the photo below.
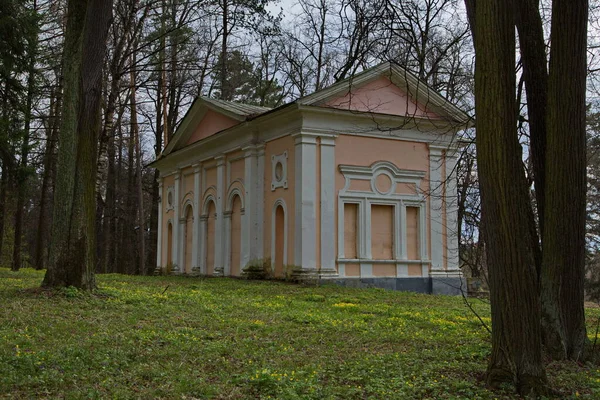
(353, 183)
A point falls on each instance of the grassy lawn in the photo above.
(177, 337)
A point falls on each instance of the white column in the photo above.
(305, 196)
(402, 252)
(452, 210)
(328, 199)
(250, 227)
(227, 243)
(177, 246)
(259, 195)
(220, 228)
(435, 207)
(202, 251)
(196, 227)
(160, 226)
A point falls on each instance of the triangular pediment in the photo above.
(207, 117)
(387, 89)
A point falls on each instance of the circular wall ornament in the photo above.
(279, 171)
(383, 183)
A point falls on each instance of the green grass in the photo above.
(190, 338)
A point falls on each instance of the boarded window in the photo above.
(412, 233)
(382, 232)
(350, 230)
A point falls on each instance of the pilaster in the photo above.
(196, 228)
(452, 210)
(159, 231)
(435, 207)
(252, 230)
(177, 245)
(305, 198)
(328, 199)
(220, 222)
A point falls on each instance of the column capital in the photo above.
(305, 138)
(436, 151)
(253, 149)
(220, 160)
(328, 140)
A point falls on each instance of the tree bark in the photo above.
(42, 226)
(562, 276)
(3, 189)
(73, 259)
(138, 172)
(22, 173)
(535, 74)
(516, 331)
(57, 273)
(225, 92)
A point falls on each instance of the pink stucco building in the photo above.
(352, 183)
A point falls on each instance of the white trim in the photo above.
(282, 182)
(317, 121)
(230, 161)
(170, 205)
(250, 232)
(204, 232)
(366, 199)
(451, 211)
(305, 198)
(235, 191)
(186, 205)
(279, 202)
(435, 207)
(176, 225)
(196, 239)
(219, 227)
(327, 205)
(159, 243)
(259, 210)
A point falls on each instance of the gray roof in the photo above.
(243, 110)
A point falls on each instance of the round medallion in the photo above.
(383, 184)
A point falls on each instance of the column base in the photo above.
(305, 275)
(328, 273)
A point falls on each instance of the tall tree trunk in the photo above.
(138, 171)
(516, 331)
(533, 59)
(3, 189)
(119, 259)
(225, 92)
(22, 170)
(57, 273)
(163, 77)
(74, 259)
(42, 226)
(564, 229)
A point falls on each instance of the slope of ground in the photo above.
(177, 337)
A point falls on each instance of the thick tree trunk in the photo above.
(564, 229)
(74, 259)
(535, 74)
(516, 330)
(57, 273)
